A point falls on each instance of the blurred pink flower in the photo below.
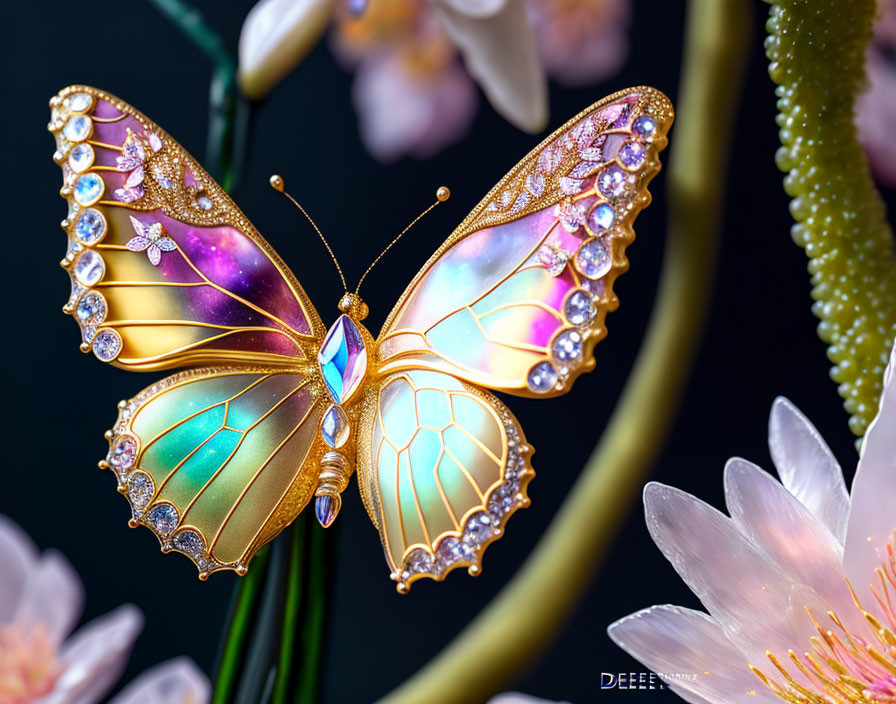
(876, 108)
(41, 598)
(520, 698)
(404, 112)
(581, 42)
(414, 60)
(774, 576)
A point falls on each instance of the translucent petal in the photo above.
(177, 680)
(807, 467)
(53, 596)
(691, 646)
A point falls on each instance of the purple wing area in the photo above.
(208, 289)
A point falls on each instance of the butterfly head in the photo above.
(352, 305)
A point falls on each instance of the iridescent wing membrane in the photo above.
(167, 272)
(514, 301)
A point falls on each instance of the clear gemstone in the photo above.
(203, 201)
(418, 561)
(343, 359)
(542, 377)
(597, 287)
(123, 452)
(81, 157)
(553, 258)
(535, 184)
(77, 129)
(570, 186)
(601, 218)
(91, 309)
(190, 542)
(162, 179)
(631, 155)
(164, 519)
(140, 490)
(88, 189)
(450, 550)
(579, 308)
(612, 181)
(334, 427)
(478, 530)
(89, 268)
(107, 345)
(593, 259)
(62, 144)
(326, 508)
(568, 346)
(503, 499)
(79, 102)
(644, 126)
(91, 226)
(571, 215)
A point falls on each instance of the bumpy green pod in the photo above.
(816, 50)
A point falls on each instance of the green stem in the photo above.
(511, 633)
(322, 554)
(228, 112)
(238, 630)
(816, 50)
(291, 611)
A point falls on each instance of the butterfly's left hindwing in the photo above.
(217, 461)
(441, 467)
(166, 271)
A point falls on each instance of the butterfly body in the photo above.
(270, 408)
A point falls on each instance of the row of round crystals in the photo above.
(579, 309)
(163, 517)
(480, 527)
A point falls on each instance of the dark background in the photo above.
(760, 341)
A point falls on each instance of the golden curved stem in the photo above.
(517, 626)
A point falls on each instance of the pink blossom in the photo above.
(41, 598)
(403, 111)
(581, 42)
(792, 580)
(876, 108)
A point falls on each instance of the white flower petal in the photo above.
(95, 657)
(53, 596)
(276, 36)
(807, 467)
(520, 698)
(872, 516)
(788, 533)
(690, 646)
(18, 556)
(176, 681)
(476, 8)
(501, 54)
(744, 592)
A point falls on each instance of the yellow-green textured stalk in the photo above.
(516, 628)
(816, 50)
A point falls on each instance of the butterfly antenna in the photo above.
(278, 185)
(442, 194)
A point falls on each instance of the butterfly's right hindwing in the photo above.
(441, 466)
